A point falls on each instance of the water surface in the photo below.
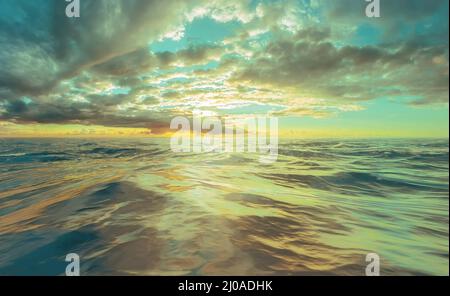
(132, 207)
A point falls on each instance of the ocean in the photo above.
(133, 207)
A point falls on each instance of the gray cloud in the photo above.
(316, 67)
(142, 60)
(39, 57)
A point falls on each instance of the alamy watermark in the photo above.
(373, 8)
(73, 9)
(210, 134)
(73, 268)
(373, 268)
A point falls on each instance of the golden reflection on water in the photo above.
(318, 210)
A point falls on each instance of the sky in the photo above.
(127, 67)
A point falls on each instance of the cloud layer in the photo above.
(289, 58)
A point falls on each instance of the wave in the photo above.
(135, 207)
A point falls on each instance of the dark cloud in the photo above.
(316, 67)
(107, 100)
(142, 60)
(19, 111)
(82, 113)
(36, 56)
(40, 47)
(129, 64)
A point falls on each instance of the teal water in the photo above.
(133, 207)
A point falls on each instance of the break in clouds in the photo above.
(137, 63)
